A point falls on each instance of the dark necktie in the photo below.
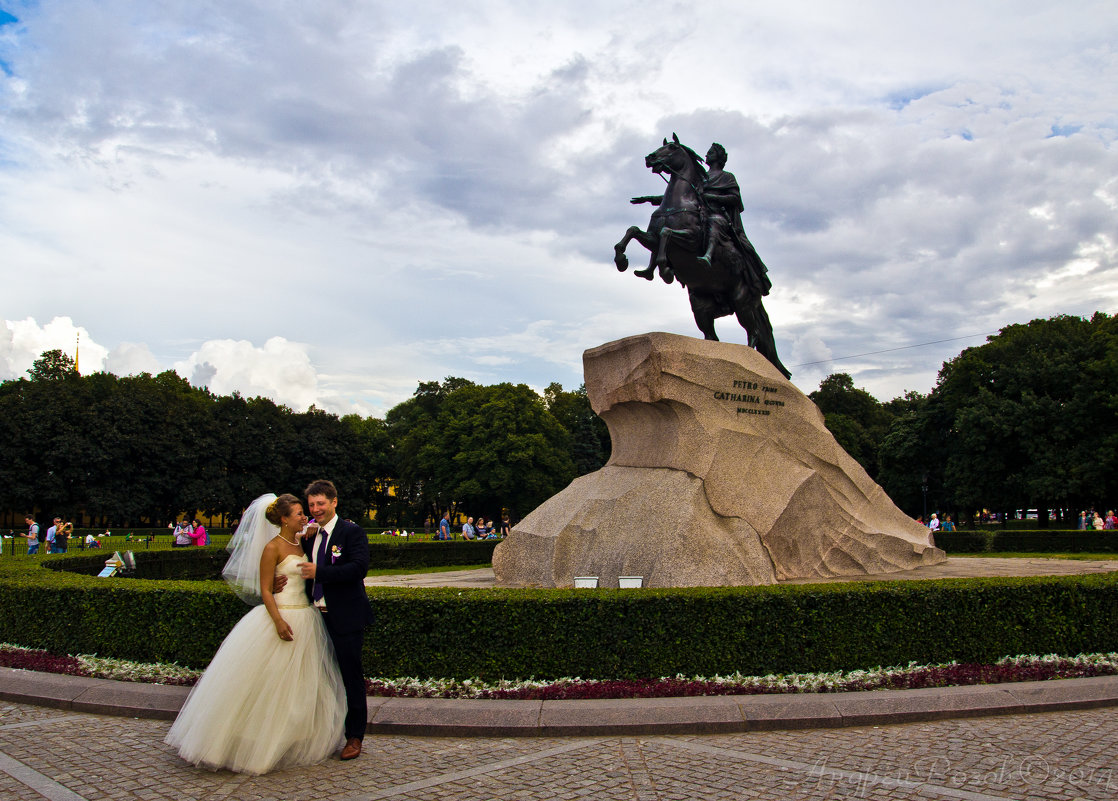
(316, 593)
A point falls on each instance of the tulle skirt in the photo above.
(265, 703)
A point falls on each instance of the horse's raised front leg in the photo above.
(633, 232)
(648, 271)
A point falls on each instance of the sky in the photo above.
(327, 203)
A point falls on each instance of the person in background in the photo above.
(182, 535)
(444, 527)
(32, 535)
(198, 534)
(933, 524)
(947, 524)
(1082, 521)
(1111, 521)
(62, 537)
(506, 527)
(468, 531)
(1097, 522)
(54, 529)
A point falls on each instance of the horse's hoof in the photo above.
(645, 274)
(667, 274)
(622, 262)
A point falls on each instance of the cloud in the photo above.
(417, 191)
(24, 341)
(279, 370)
(131, 358)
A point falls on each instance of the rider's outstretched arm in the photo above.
(657, 199)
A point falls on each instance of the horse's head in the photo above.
(673, 157)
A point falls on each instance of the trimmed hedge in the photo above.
(151, 621)
(754, 630)
(1027, 541)
(591, 633)
(206, 563)
(432, 553)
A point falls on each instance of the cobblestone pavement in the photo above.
(62, 756)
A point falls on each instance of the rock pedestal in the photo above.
(722, 473)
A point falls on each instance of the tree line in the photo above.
(143, 450)
(1028, 420)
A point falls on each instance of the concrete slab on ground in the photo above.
(954, 567)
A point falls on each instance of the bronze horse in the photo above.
(732, 283)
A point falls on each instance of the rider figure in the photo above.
(723, 199)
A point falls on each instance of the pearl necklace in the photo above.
(285, 539)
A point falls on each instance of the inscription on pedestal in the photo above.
(761, 396)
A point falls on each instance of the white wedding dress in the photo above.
(265, 703)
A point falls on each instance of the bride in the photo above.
(272, 696)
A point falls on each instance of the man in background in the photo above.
(32, 535)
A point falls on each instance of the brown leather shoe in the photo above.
(352, 748)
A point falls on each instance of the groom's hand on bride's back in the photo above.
(278, 584)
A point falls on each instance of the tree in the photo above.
(590, 442)
(1032, 411)
(910, 457)
(411, 427)
(856, 419)
(496, 448)
(52, 365)
(1027, 420)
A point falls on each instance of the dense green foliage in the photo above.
(592, 634)
(1030, 420)
(146, 449)
(142, 450)
(856, 419)
(481, 450)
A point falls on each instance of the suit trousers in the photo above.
(347, 648)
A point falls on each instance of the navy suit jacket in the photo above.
(342, 575)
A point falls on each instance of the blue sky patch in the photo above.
(6, 18)
(1064, 130)
(902, 97)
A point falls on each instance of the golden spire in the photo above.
(77, 347)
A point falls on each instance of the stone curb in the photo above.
(437, 717)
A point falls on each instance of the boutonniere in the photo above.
(335, 552)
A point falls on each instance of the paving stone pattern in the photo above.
(63, 756)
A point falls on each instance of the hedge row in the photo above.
(431, 553)
(593, 633)
(1028, 541)
(200, 564)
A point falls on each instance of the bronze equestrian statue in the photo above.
(696, 235)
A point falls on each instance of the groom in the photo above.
(335, 574)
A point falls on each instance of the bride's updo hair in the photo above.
(281, 507)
